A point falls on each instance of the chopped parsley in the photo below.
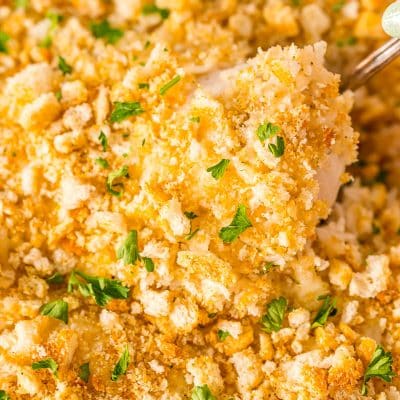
(58, 95)
(4, 38)
(222, 335)
(273, 319)
(195, 119)
(104, 30)
(212, 315)
(54, 19)
(111, 186)
(20, 4)
(380, 366)
(144, 86)
(4, 395)
(328, 309)
(153, 9)
(148, 264)
(190, 235)
(129, 251)
(57, 309)
(48, 363)
(121, 366)
(267, 130)
(84, 372)
(63, 66)
(267, 267)
(202, 393)
(350, 41)
(190, 215)
(46, 42)
(101, 289)
(55, 279)
(103, 140)
(338, 6)
(277, 149)
(296, 3)
(238, 225)
(102, 162)
(169, 85)
(123, 110)
(147, 45)
(218, 170)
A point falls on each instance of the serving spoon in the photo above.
(381, 57)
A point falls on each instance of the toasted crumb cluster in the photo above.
(171, 225)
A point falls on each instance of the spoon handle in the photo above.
(373, 64)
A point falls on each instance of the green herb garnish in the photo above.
(338, 6)
(63, 66)
(195, 119)
(102, 162)
(122, 365)
(380, 366)
(144, 86)
(222, 335)
(57, 309)
(55, 279)
(202, 393)
(273, 319)
(129, 251)
(104, 30)
(103, 140)
(190, 215)
(84, 372)
(20, 4)
(267, 130)
(111, 186)
(328, 309)
(101, 289)
(169, 85)
(153, 9)
(238, 225)
(4, 38)
(218, 170)
(277, 149)
(48, 363)
(123, 110)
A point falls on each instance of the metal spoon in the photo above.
(376, 61)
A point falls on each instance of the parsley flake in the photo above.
(380, 366)
(63, 66)
(48, 363)
(148, 264)
(273, 319)
(328, 309)
(123, 110)
(222, 335)
(122, 365)
(169, 85)
(111, 186)
(153, 9)
(46, 42)
(101, 289)
(144, 86)
(129, 251)
(4, 38)
(267, 130)
(338, 6)
(267, 267)
(218, 170)
(104, 30)
(102, 162)
(103, 140)
(57, 309)
(277, 149)
(238, 225)
(190, 215)
(55, 279)
(20, 4)
(58, 95)
(4, 395)
(190, 235)
(84, 372)
(195, 119)
(202, 393)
